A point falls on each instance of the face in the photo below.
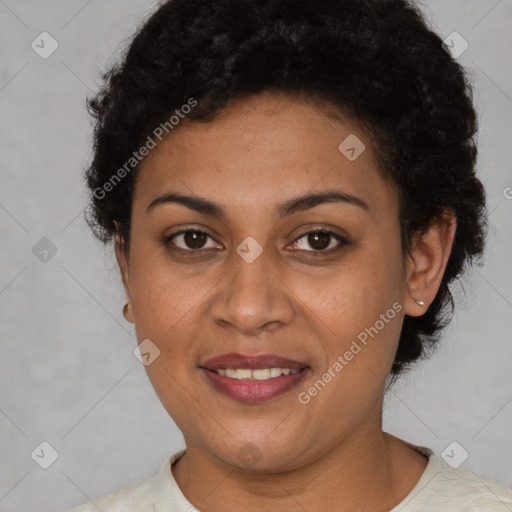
(256, 280)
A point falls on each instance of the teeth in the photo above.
(240, 373)
(260, 374)
(276, 372)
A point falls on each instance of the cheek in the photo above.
(358, 310)
(357, 291)
(161, 296)
(358, 323)
(358, 329)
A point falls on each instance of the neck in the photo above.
(372, 470)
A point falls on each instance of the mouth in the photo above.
(259, 374)
(253, 378)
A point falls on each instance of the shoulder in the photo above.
(136, 497)
(460, 490)
(471, 492)
(158, 491)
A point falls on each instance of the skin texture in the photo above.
(293, 301)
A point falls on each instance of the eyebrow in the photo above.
(288, 207)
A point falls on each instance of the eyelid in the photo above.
(182, 231)
(343, 241)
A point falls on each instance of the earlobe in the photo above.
(128, 313)
(426, 263)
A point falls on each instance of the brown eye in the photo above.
(319, 241)
(191, 239)
(194, 239)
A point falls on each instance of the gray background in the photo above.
(67, 372)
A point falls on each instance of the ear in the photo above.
(427, 262)
(124, 269)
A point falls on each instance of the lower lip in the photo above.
(254, 390)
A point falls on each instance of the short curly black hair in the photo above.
(375, 60)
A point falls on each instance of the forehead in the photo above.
(261, 150)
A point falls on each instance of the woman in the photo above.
(290, 187)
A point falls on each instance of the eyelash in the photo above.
(343, 241)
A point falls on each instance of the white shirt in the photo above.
(440, 489)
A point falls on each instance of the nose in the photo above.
(252, 298)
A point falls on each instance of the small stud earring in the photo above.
(420, 302)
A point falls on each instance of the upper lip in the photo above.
(252, 362)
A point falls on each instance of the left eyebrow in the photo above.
(301, 203)
(288, 207)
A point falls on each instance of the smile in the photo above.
(260, 374)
